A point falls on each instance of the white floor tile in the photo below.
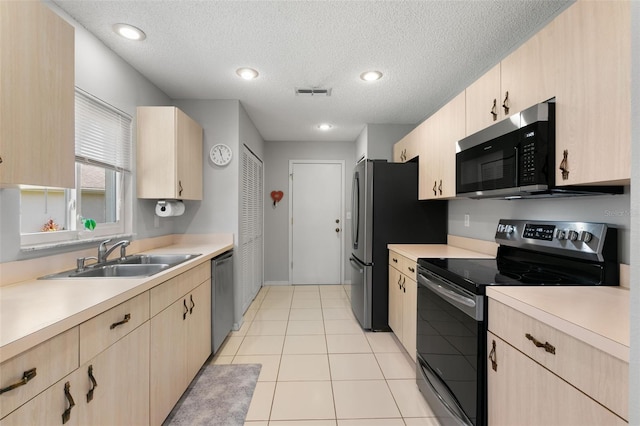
(347, 344)
(230, 346)
(303, 368)
(370, 422)
(337, 313)
(310, 314)
(342, 326)
(336, 303)
(299, 328)
(354, 367)
(305, 345)
(383, 342)
(260, 407)
(258, 423)
(221, 360)
(305, 303)
(303, 423)
(267, 328)
(270, 365)
(409, 399)
(272, 315)
(261, 345)
(364, 399)
(245, 326)
(422, 421)
(275, 304)
(303, 401)
(396, 366)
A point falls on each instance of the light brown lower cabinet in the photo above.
(180, 344)
(403, 301)
(119, 395)
(523, 392)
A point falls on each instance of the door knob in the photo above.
(337, 229)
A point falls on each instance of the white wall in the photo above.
(484, 215)
(277, 156)
(376, 140)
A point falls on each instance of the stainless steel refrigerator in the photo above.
(386, 210)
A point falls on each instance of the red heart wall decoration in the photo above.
(276, 196)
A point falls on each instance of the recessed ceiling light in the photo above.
(247, 73)
(371, 75)
(325, 126)
(129, 32)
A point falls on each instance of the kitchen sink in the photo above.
(121, 270)
(146, 259)
(133, 266)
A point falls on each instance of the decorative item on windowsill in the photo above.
(88, 223)
(50, 226)
(276, 196)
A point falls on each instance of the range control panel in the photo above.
(579, 239)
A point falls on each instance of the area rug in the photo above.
(219, 395)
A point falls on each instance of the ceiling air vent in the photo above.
(312, 92)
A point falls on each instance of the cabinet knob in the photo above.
(564, 165)
(494, 110)
(506, 103)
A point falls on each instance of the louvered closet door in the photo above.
(251, 224)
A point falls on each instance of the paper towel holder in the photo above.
(163, 205)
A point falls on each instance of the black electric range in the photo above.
(452, 314)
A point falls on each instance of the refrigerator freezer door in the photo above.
(362, 208)
(361, 292)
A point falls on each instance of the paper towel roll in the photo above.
(169, 208)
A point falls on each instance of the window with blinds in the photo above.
(251, 227)
(96, 207)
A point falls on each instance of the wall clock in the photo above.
(220, 154)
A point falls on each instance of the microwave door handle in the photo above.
(516, 178)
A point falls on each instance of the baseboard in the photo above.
(276, 283)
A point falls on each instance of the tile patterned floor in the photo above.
(319, 368)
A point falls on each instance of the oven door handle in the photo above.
(462, 299)
(447, 291)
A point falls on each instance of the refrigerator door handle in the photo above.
(355, 208)
(356, 264)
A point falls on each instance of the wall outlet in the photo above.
(466, 220)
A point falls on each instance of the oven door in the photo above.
(451, 346)
(489, 168)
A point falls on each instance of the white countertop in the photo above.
(596, 315)
(416, 251)
(33, 311)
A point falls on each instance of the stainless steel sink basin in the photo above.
(121, 270)
(169, 259)
(137, 265)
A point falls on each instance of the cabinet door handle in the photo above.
(506, 103)
(411, 269)
(67, 413)
(404, 290)
(394, 260)
(435, 186)
(400, 282)
(494, 110)
(26, 376)
(492, 356)
(94, 384)
(186, 310)
(180, 188)
(193, 305)
(126, 319)
(564, 165)
(440, 187)
(0, 160)
(546, 345)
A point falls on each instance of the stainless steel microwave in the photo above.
(515, 158)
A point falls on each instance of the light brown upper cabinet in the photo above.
(37, 102)
(169, 154)
(437, 171)
(482, 101)
(406, 148)
(593, 103)
(524, 78)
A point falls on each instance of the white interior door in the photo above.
(317, 194)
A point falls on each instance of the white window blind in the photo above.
(103, 133)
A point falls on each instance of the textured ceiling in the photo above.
(428, 51)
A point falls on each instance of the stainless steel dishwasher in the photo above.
(221, 298)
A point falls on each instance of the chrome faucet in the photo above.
(103, 253)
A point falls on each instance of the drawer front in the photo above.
(53, 360)
(104, 330)
(169, 291)
(596, 373)
(395, 260)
